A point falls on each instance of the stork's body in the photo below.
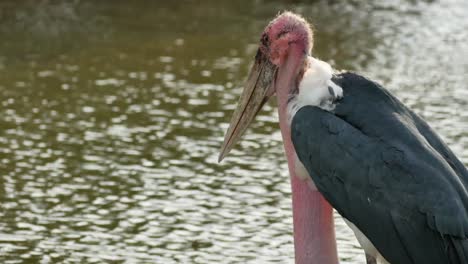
(317, 88)
(350, 144)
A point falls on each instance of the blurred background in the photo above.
(112, 114)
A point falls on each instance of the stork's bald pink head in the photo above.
(279, 66)
(286, 29)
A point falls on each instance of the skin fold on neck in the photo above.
(314, 234)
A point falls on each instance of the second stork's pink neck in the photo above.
(314, 233)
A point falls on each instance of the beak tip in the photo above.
(221, 156)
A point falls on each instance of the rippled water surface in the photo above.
(112, 114)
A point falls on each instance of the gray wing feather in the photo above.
(386, 171)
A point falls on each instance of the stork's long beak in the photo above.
(258, 89)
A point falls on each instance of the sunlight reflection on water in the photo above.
(111, 128)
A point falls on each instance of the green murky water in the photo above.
(112, 114)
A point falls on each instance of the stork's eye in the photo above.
(265, 40)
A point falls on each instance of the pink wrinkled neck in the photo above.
(314, 234)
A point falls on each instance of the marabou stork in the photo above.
(353, 146)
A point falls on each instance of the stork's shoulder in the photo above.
(365, 93)
(316, 88)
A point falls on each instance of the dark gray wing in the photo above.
(383, 168)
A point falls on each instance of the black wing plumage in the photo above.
(384, 169)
